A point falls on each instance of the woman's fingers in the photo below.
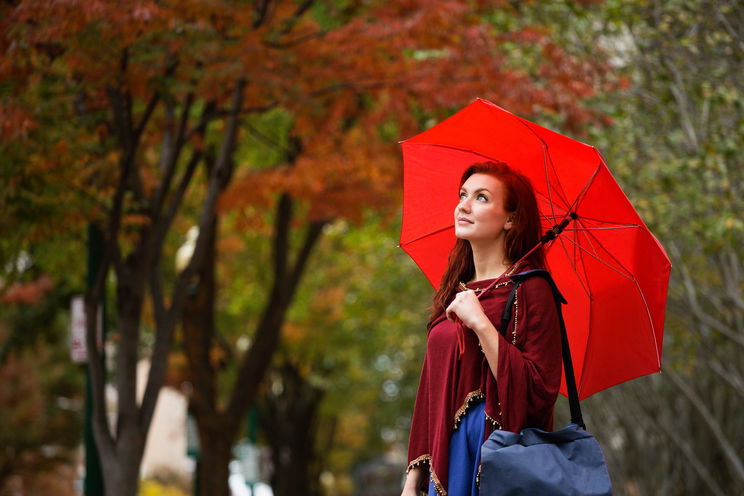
(462, 302)
(451, 314)
(466, 308)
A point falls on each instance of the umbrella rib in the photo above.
(552, 203)
(650, 320)
(600, 221)
(577, 255)
(589, 241)
(592, 240)
(629, 226)
(573, 206)
(582, 263)
(630, 277)
(401, 245)
(547, 159)
(584, 190)
(459, 148)
(546, 156)
(593, 220)
(548, 203)
(598, 259)
(640, 292)
(582, 281)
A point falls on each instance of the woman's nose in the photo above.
(464, 206)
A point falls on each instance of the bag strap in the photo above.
(573, 395)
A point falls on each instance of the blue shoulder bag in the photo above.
(566, 462)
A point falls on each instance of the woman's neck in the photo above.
(489, 260)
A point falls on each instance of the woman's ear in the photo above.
(509, 222)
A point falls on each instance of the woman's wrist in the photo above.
(413, 478)
(484, 327)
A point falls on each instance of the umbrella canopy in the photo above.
(611, 269)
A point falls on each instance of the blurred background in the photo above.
(219, 181)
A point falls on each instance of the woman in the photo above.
(473, 379)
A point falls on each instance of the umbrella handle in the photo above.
(551, 234)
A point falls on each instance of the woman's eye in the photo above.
(462, 195)
(482, 197)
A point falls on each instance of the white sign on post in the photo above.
(78, 343)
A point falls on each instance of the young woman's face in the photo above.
(480, 214)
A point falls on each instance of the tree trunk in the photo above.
(121, 473)
(288, 418)
(121, 452)
(215, 442)
(219, 427)
(215, 456)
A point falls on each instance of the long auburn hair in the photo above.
(525, 232)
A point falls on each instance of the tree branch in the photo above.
(730, 376)
(151, 104)
(702, 316)
(681, 443)
(224, 165)
(156, 295)
(245, 111)
(281, 240)
(314, 231)
(127, 142)
(120, 120)
(221, 173)
(261, 13)
(164, 325)
(728, 27)
(199, 331)
(283, 45)
(268, 141)
(258, 357)
(737, 468)
(173, 153)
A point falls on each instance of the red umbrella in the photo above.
(611, 269)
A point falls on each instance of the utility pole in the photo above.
(93, 485)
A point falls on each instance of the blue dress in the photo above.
(464, 453)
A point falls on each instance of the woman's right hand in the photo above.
(413, 482)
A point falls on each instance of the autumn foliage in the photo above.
(340, 70)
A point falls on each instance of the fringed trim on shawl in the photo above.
(516, 312)
(426, 460)
(421, 460)
(473, 395)
(494, 422)
(438, 487)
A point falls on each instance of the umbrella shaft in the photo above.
(551, 234)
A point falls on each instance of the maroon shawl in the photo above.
(521, 395)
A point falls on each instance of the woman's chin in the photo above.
(461, 235)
